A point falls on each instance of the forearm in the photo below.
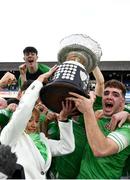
(8, 78)
(23, 79)
(96, 139)
(66, 144)
(98, 75)
(99, 81)
(21, 116)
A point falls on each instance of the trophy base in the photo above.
(54, 93)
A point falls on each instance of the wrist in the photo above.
(46, 112)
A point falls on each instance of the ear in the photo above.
(122, 103)
(24, 58)
(37, 57)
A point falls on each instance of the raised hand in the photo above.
(117, 120)
(7, 79)
(44, 77)
(82, 103)
(23, 69)
(67, 109)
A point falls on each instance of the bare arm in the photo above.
(118, 120)
(7, 79)
(100, 144)
(23, 70)
(66, 144)
(23, 113)
(99, 88)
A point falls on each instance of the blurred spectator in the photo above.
(31, 69)
(6, 113)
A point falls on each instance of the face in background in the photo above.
(113, 101)
(30, 59)
(33, 124)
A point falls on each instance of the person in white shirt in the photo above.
(34, 151)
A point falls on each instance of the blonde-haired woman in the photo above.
(34, 151)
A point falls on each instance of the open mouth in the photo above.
(108, 106)
(30, 61)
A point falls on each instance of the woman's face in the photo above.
(33, 123)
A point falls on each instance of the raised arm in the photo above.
(66, 144)
(22, 78)
(99, 88)
(99, 143)
(7, 79)
(23, 113)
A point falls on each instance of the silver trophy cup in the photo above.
(77, 57)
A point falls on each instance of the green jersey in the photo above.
(42, 68)
(68, 166)
(109, 167)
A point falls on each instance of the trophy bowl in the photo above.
(71, 76)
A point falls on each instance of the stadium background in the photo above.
(119, 70)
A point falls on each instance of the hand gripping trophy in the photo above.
(78, 56)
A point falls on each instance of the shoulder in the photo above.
(127, 108)
(42, 135)
(121, 136)
(43, 67)
(124, 130)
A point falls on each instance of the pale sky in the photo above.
(43, 23)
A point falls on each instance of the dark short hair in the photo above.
(30, 49)
(7, 160)
(113, 83)
(12, 100)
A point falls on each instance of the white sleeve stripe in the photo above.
(119, 139)
(119, 143)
